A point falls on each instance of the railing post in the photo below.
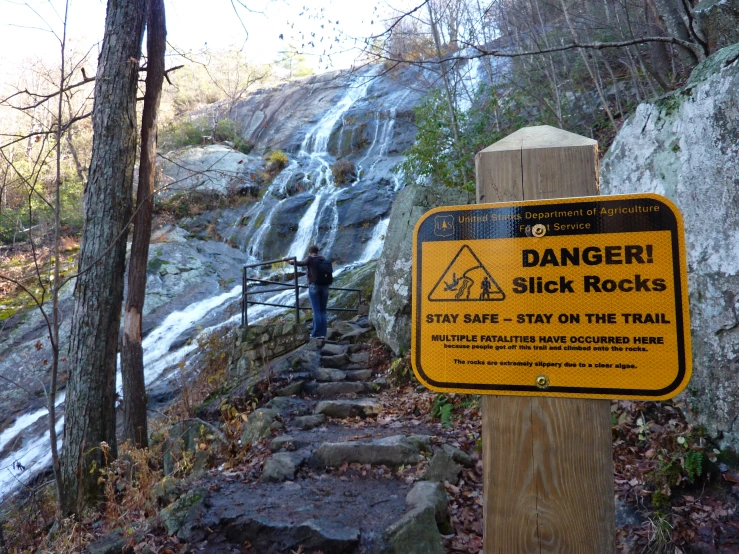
(297, 293)
(244, 315)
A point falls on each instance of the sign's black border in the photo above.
(511, 219)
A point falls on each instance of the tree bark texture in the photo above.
(90, 401)
(135, 426)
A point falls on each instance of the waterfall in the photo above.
(374, 244)
(305, 230)
(472, 75)
(316, 140)
(34, 456)
(314, 160)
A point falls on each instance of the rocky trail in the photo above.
(329, 461)
(316, 452)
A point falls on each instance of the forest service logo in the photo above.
(466, 279)
(444, 225)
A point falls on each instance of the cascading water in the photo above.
(374, 246)
(305, 230)
(316, 140)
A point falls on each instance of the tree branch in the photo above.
(44, 97)
(498, 53)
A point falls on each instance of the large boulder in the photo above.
(686, 146)
(390, 309)
(719, 20)
(216, 168)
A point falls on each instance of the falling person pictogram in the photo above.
(466, 279)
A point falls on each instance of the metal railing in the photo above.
(281, 286)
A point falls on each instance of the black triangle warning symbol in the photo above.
(466, 280)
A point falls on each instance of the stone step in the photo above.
(333, 349)
(362, 407)
(359, 375)
(355, 336)
(282, 466)
(390, 451)
(339, 361)
(361, 357)
(308, 422)
(332, 375)
(328, 374)
(306, 515)
(325, 390)
(286, 442)
(269, 533)
(337, 388)
(287, 406)
(294, 388)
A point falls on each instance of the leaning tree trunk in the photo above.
(90, 402)
(132, 354)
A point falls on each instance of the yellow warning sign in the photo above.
(577, 297)
(466, 278)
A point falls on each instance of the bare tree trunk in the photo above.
(659, 67)
(57, 266)
(552, 70)
(135, 426)
(70, 143)
(593, 76)
(670, 12)
(444, 77)
(90, 400)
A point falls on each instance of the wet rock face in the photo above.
(263, 114)
(686, 146)
(306, 119)
(278, 118)
(284, 225)
(390, 309)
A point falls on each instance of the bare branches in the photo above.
(397, 21)
(585, 45)
(39, 302)
(51, 131)
(43, 98)
(171, 69)
(481, 51)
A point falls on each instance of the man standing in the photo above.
(319, 279)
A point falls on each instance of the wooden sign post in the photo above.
(547, 461)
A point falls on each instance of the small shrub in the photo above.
(400, 370)
(277, 160)
(229, 130)
(129, 481)
(225, 129)
(343, 172)
(186, 133)
(442, 408)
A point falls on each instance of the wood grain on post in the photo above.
(548, 464)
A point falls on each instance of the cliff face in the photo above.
(686, 147)
(282, 116)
